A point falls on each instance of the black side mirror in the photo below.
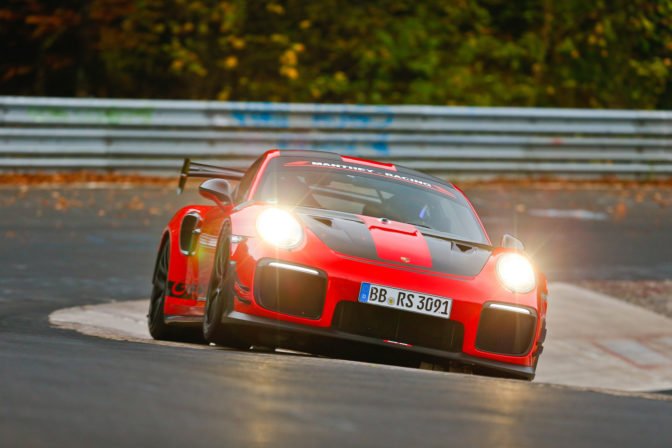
(218, 190)
(511, 242)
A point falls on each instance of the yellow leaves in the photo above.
(667, 62)
(188, 27)
(275, 8)
(186, 60)
(340, 77)
(575, 54)
(224, 94)
(304, 24)
(226, 12)
(550, 90)
(196, 6)
(289, 72)
(288, 58)
(292, 73)
(647, 25)
(231, 62)
(198, 69)
(237, 42)
(279, 39)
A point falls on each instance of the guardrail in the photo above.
(59, 133)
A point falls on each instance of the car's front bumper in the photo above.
(344, 275)
(330, 337)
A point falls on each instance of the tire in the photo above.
(156, 323)
(155, 317)
(219, 299)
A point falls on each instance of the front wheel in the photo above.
(219, 299)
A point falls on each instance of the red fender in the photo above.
(181, 297)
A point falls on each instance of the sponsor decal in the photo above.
(409, 179)
(342, 166)
(182, 290)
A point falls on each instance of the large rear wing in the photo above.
(194, 169)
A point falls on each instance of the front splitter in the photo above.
(336, 336)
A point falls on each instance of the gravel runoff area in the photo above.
(655, 295)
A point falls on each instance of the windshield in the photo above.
(368, 191)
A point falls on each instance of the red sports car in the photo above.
(330, 254)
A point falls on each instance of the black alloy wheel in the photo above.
(219, 299)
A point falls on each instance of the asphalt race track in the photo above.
(63, 248)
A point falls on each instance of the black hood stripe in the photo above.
(348, 235)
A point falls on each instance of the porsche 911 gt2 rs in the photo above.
(341, 256)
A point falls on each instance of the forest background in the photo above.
(544, 53)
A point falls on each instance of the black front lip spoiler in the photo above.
(237, 318)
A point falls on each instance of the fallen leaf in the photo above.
(620, 211)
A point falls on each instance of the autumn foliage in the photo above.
(570, 53)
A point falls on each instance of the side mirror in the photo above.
(511, 242)
(218, 190)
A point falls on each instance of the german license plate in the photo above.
(402, 299)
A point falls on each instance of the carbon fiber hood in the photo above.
(349, 235)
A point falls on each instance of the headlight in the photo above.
(279, 228)
(516, 273)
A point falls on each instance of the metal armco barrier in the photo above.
(59, 133)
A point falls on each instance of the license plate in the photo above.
(402, 299)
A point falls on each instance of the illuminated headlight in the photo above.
(279, 228)
(516, 273)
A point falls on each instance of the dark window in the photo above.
(406, 198)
